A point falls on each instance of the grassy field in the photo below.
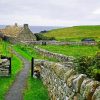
(92, 70)
(75, 33)
(26, 51)
(6, 82)
(35, 89)
(75, 51)
(29, 52)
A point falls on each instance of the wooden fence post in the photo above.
(9, 65)
(32, 67)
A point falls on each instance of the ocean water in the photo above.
(2, 26)
(37, 29)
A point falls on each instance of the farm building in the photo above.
(18, 34)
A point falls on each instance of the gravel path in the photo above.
(16, 91)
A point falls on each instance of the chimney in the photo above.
(16, 25)
(25, 26)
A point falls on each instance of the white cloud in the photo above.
(50, 12)
(97, 11)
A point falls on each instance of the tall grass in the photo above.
(75, 51)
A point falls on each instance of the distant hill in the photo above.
(75, 33)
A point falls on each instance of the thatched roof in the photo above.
(11, 31)
(20, 33)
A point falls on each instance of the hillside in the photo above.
(75, 33)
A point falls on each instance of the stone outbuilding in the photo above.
(26, 35)
(18, 34)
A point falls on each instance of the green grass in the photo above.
(26, 51)
(3, 48)
(78, 51)
(29, 52)
(75, 51)
(75, 33)
(6, 82)
(35, 90)
(23, 53)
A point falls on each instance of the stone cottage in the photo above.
(18, 34)
(26, 35)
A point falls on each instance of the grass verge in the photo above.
(6, 82)
(35, 90)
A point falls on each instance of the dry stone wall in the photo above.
(67, 60)
(61, 43)
(64, 83)
(4, 67)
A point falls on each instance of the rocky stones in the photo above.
(59, 57)
(64, 83)
(83, 85)
(68, 73)
(4, 67)
(96, 95)
(90, 89)
(77, 82)
(70, 80)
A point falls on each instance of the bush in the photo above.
(89, 66)
(97, 60)
(98, 44)
(44, 31)
(96, 74)
(42, 37)
(84, 63)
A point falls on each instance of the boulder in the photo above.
(96, 95)
(77, 82)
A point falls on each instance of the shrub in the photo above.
(43, 31)
(96, 74)
(42, 37)
(89, 66)
(84, 63)
(97, 60)
(98, 44)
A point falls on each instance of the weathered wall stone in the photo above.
(64, 83)
(4, 67)
(61, 43)
(68, 61)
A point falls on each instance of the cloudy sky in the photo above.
(50, 12)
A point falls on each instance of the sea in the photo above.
(37, 29)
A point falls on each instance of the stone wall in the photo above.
(61, 43)
(4, 67)
(64, 83)
(59, 57)
(67, 60)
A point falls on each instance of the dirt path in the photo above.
(16, 91)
